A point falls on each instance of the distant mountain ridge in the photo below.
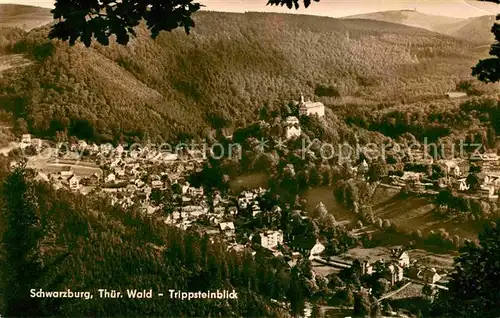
(412, 18)
(23, 17)
(476, 30)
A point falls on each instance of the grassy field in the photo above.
(249, 181)
(438, 261)
(73, 162)
(47, 165)
(417, 213)
(82, 171)
(413, 290)
(370, 254)
(323, 270)
(325, 195)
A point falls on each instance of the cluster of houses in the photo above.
(28, 140)
(130, 179)
(395, 270)
(67, 178)
(191, 207)
(456, 171)
(488, 179)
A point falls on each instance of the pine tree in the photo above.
(362, 304)
(296, 294)
(316, 311)
(473, 287)
(22, 265)
(375, 311)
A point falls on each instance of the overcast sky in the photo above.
(339, 8)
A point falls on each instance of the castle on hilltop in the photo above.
(310, 108)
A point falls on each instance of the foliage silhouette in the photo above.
(86, 20)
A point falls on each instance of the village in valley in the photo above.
(159, 184)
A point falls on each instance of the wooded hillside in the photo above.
(230, 66)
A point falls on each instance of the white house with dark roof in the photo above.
(185, 188)
(292, 127)
(196, 192)
(394, 273)
(119, 171)
(232, 210)
(366, 268)
(317, 249)
(271, 239)
(430, 276)
(242, 203)
(26, 139)
(310, 246)
(403, 259)
(72, 182)
(226, 226)
(255, 210)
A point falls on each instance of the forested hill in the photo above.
(231, 65)
(24, 17)
(436, 23)
(476, 30)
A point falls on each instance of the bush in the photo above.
(328, 91)
(441, 239)
(393, 228)
(30, 151)
(387, 224)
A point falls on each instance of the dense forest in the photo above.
(470, 120)
(220, 75)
